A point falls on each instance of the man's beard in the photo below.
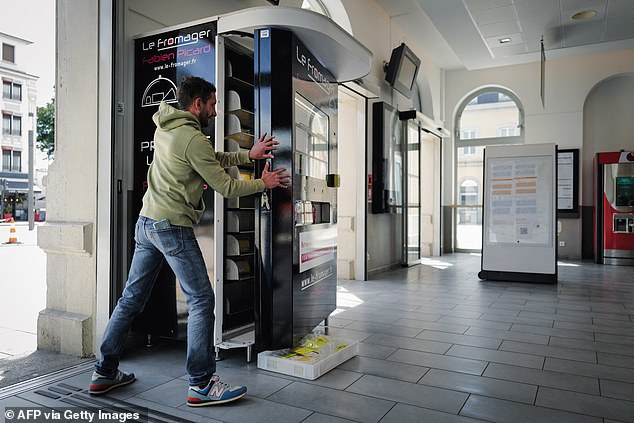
(204, 121)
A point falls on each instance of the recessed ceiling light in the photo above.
(584, 14)
(505, 40)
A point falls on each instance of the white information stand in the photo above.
(519, 213)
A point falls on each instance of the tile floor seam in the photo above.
(592, 415)
(538, 407)
(463, 404)
(597, 377)
(388, 411)
(422, 385)
(572, 412)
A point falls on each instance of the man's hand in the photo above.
(262, 148)
(275, 178)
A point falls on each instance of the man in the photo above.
(183, 161)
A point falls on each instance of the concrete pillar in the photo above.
(68, 237)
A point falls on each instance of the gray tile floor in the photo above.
(436, 345)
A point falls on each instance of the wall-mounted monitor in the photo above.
(402, 69)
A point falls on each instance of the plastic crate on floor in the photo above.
(311, 368)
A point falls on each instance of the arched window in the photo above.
(335, 11)
(488, 116)
(316, 6)
(491, 116)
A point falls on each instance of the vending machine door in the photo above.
(296, 101)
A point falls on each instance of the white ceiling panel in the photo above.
(528, 13)
(486, 4)
(582, 33)
(507, 51)
(620, 29)
(536, 7)
(500, 28)
(491, 16)
(577, 5)
(621, 9)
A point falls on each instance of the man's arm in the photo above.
(233, 158)
(205, 162)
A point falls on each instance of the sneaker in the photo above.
(100, 384)
(215, 392)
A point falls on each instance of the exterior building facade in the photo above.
(18, 106)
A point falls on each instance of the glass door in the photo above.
(430, 168)
(469, 205)
(411, 221)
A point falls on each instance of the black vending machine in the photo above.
(272, 257)
(296, 101)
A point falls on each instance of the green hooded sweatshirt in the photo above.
(183, 161)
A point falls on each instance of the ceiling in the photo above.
(467, 33)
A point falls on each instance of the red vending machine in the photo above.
(614, 208)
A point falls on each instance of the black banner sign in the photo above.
(161, 61)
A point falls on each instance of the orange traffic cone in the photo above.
(13, 237)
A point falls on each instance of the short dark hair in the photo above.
(193, 87)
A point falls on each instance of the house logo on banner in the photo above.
(160, 89)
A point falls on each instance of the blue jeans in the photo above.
(177, 245)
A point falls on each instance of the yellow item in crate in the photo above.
(314, 346)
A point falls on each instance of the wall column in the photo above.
(67, 323)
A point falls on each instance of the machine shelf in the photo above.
(239, 141)
(238, 245)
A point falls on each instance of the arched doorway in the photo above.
(607, 126)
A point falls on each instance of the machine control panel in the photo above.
(623, 223)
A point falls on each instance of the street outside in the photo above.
(22, 291)
(469, 237)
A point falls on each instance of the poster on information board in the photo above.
(519, 204)
(519, 213)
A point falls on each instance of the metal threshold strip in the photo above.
(37, 382)
(52, 386)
